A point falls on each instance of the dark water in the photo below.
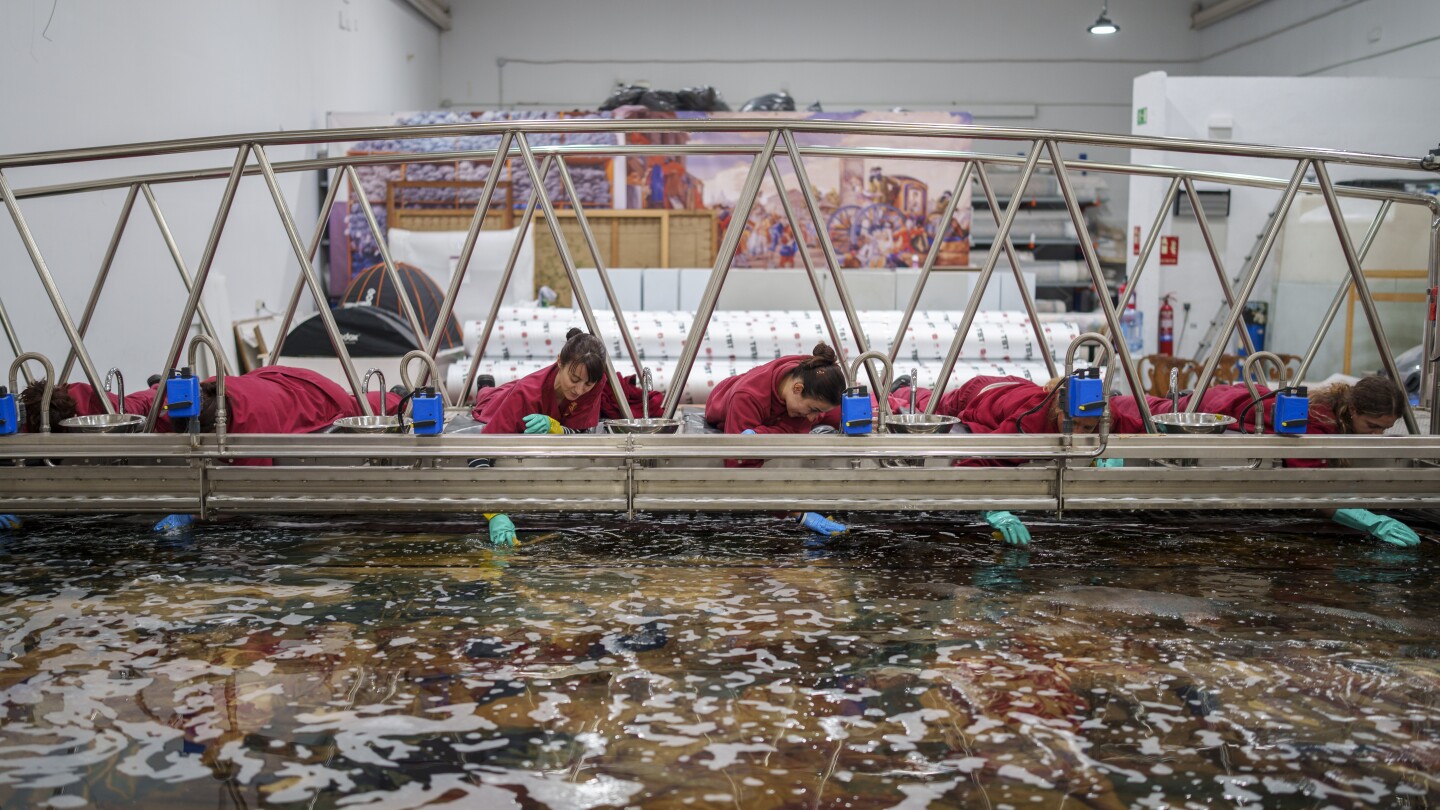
(1182, 660)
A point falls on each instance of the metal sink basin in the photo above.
(105, 423)
(1193, 422)
(652, 425)
(919, 423)
(368, 424)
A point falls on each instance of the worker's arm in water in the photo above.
(502, 530)
(1379, 527)
(1009, 527)
(9, 523)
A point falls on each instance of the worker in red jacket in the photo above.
(563, 397)
(788, 395)
(82, 399)
(1369, 407)
(1003, 405)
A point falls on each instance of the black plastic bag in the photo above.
(770, 102)
(701, 99)
(623, 95)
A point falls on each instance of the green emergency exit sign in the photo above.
(1142, 115)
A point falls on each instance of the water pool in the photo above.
(1152, 660)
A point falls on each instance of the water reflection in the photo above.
(708, 661)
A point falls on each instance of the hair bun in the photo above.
(574, 332)
(823, 352)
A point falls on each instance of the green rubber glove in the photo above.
(502, 531)
(1009, 527)
(537, 423)
(1379, 527)
(1109, 462)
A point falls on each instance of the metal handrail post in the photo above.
(13, 339)
(522, 230)
(407, 307)
(1377, 327)
(1340, 296)
(568, 184)
(739, 216)
(52, 290)
(1097, 276)
(289, 317)
(100, 278)
(973, 305)
(1429, 378)
(1014, 260)
(287, 220)
(822, 235)
(1257, 263)
(205, 324)
(1143, 258)
(202, 272)
(948, 216)
(1219, 263)
(562, 249)
(815, 283)
(467, 249)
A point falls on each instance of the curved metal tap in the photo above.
(119, 378)
(646, 383)
(421, 355)
(1250, 361)
(1109, 354)
(881, 397)
(914, 386)
(221, 414)
(365, 388)
(49, 384)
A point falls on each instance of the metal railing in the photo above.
(780, 143)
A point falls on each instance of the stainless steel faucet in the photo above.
(646, 383)
(914, 384)
(365, 387)
(1174, 390)
(119, 378)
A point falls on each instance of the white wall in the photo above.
(106, 72)
(1326, 38)
(1363, 114)
(1026, 63)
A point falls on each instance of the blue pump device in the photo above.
(856, 411)
(1085, 394)
(427, 413)
(182, 394)
(1292, 410)
(9, 415)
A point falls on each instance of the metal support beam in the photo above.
(206, 327)
(294, 304)
(562, 249)
(1219, 263)
(738, 217)
(407, 307)
(1257, 263)
(947, 219)
(1340, 296)
(526, 220)
(307, 270)
(1025, 298)
(1357, 276)
(1002, 234)
(815, 284)
(120, 224)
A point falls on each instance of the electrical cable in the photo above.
(1253, 402)
(1018, 427)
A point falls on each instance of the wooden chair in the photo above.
(1155, 373)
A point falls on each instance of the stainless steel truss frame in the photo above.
(680, 471)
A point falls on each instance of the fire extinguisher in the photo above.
(1167, 327)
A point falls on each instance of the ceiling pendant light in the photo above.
(1102, 24)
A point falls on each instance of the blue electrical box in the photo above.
(1085, 394)
(856, 411)
(427, 413)
(1292, 411)
(182, 394)
(9, 414)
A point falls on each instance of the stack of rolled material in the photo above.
(999, 343)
